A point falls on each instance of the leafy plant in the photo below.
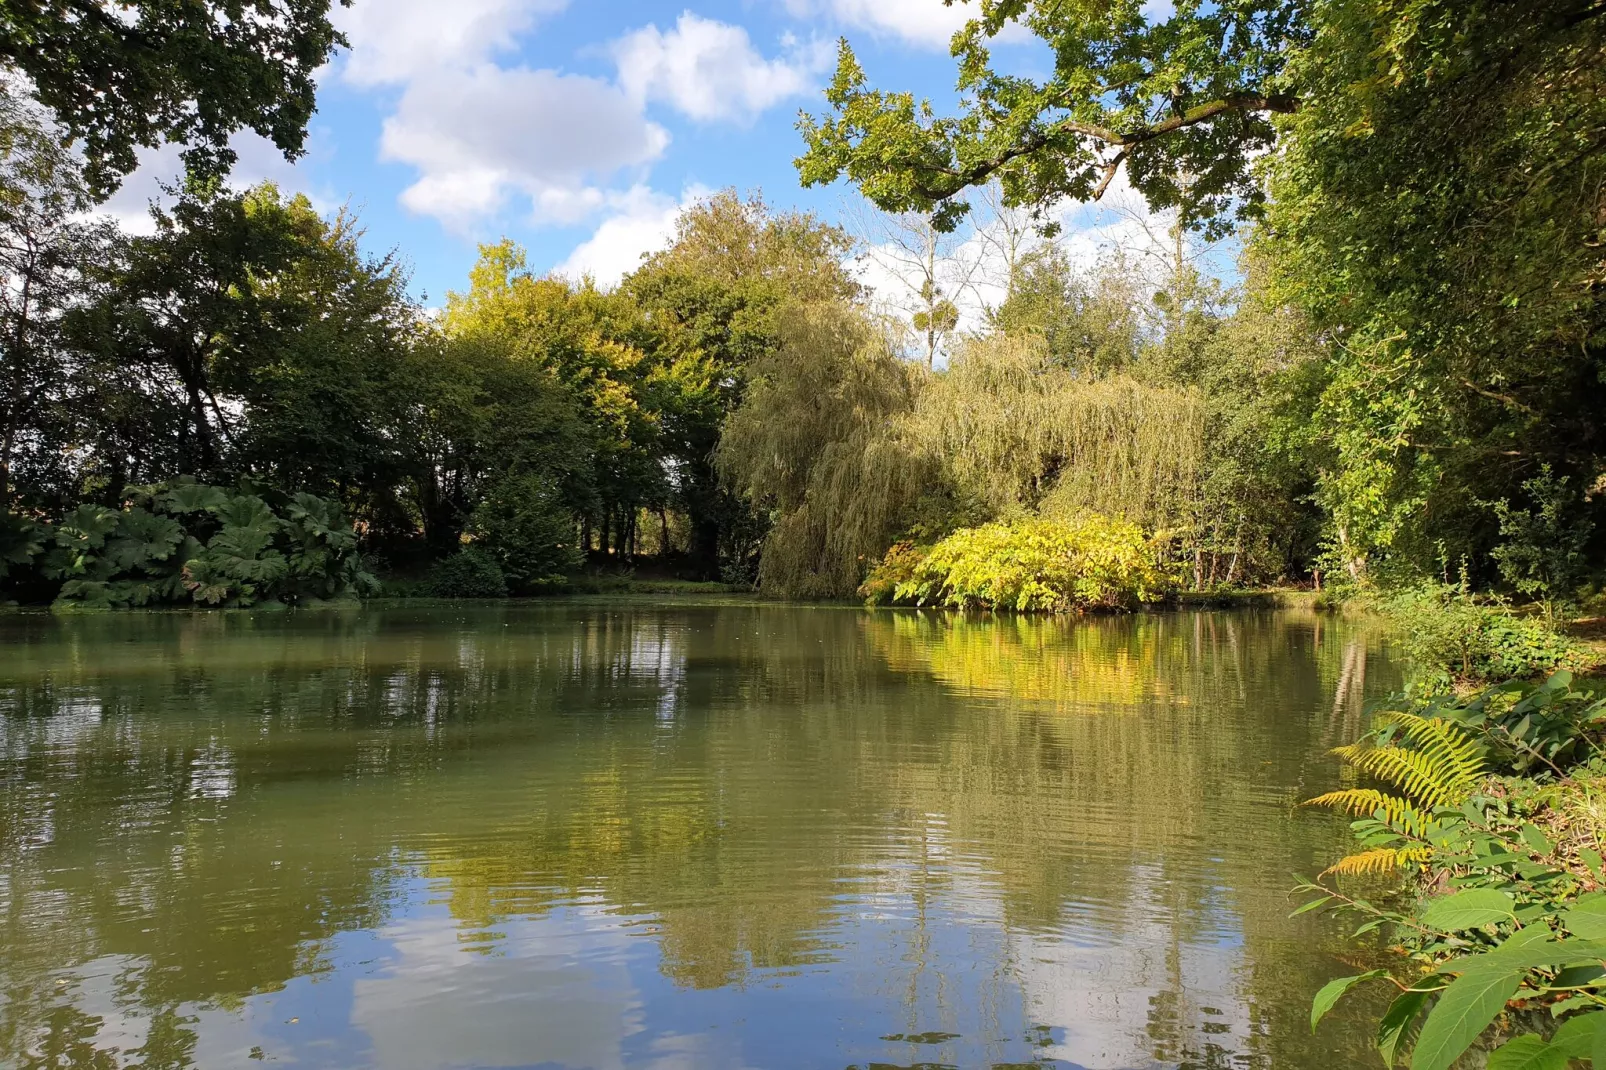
(1451, 636)
(1432, 762)
(469, 573)
(1521, 921)
(1040, 565)
(191, 542)
(1545, 552)
(896, 568)
(523, 525)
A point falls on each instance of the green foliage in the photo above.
(522, 525)
(155, 72)
(1040, 565)
(1066, 136)
(895, 569)
(1544, 553)
(187, 542)
(1433, 763)
(1431, 209)
(1011, 428)
(469, 573)
(1449, 635)
(1534, 729)
(810, 446)
(1433, 206)
(1519, 922)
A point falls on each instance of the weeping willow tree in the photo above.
(811, 443)
(1020, 432)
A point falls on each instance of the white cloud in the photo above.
(643, 222)
(923, 23)
(710, 70)
(394, 41)
(477, 135)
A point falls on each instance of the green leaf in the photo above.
(1470, 909)
(1536, 839)
(1396, 1023)
(1587, 916)
(1463, 1012)
(1527, 1053)
(1333, 991)
(1312, 905)
(1579, 1035)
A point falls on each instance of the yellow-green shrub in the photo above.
(1034, 564)
(891, 572)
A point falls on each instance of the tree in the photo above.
(714, 298)
(594, 349)
(1186, 95)
(1431, 202)
(1436, 210)
(141, 72)
(809, 444)
(46, 251)
(926, 269)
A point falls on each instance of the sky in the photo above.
(578, 128)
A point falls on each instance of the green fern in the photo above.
(1432, 762)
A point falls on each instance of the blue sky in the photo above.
(576, 127)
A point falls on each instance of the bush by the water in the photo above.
(469, 573)
(1449, 635)
(1032, 564)
(186, 542)
(523, 526)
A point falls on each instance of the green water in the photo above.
(600, 835)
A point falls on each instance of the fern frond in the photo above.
(1451, 746)
(1434, 762)
(1396, 813)
(1362, 802)
(1378, 860)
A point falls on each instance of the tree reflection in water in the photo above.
(596, 835)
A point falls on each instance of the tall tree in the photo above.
(714, 298)
(46, 251)
(132, 73)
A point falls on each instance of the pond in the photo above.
(599, 834)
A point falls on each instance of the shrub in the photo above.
(469, 573)
(1545, 555)
(523, 525)
(187, 542)
(1450, 636)
(1034, 564)
(894, 569)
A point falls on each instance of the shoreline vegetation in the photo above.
(1395, 396)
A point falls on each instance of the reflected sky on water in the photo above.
(590, 834)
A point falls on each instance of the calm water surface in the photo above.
(606, 835)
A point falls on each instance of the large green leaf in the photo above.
(1587, 916)
(1582, 1036)
(1527, 1053)
(142, 538)
(1398, 1020)
(1333, 991)
(1470, 909)
(191, 498)
(1463, 1012)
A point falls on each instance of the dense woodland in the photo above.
(1404, 382)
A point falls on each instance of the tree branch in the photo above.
(980, 171)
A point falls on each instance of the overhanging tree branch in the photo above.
(976, 173)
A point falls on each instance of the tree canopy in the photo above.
(138, 73)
